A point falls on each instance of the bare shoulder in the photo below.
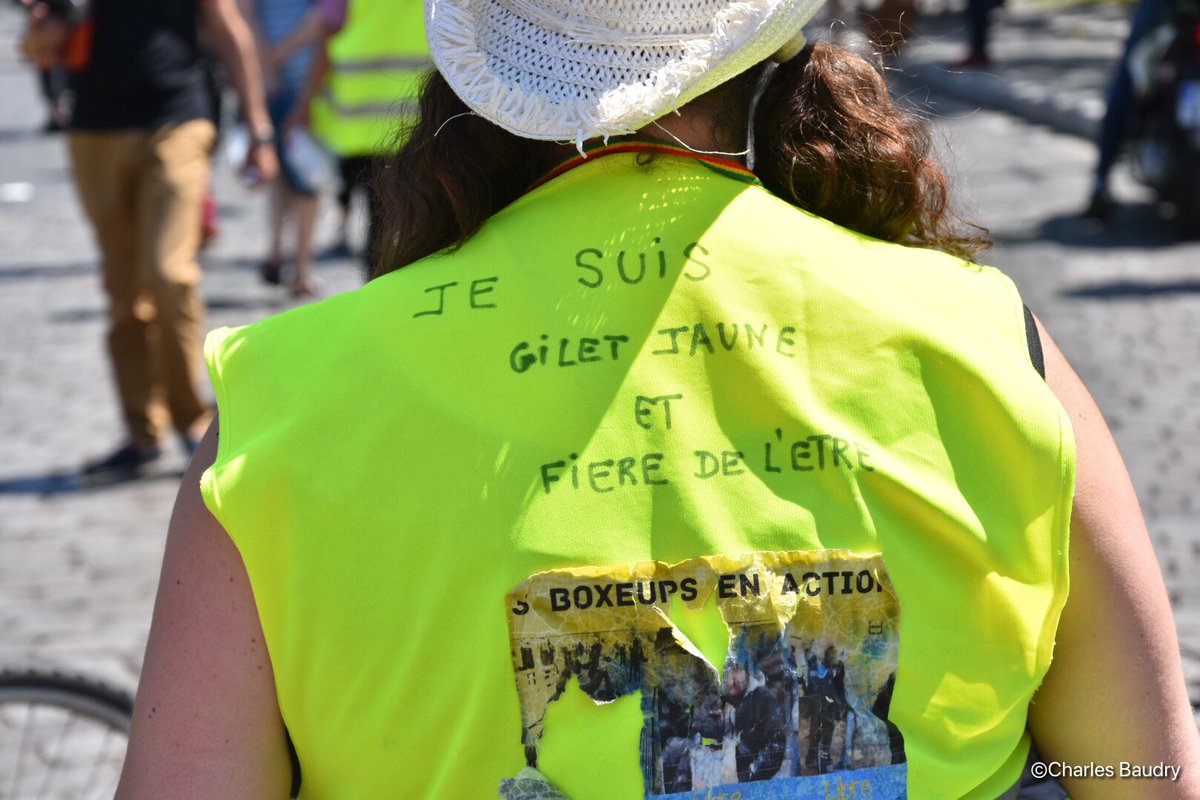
(206, 720)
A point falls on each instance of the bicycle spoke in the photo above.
(52, 755)
(68, 732)
(23, 749)
(102, 756)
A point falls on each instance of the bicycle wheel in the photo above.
(62, 737)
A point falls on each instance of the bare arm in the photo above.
(231, 38)
(317, 70)
(1115, 691)
(248, 9)
(206, 722)
(45, 36)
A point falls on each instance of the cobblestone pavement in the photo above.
(78, 568)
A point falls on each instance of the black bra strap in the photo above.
(1034, 341)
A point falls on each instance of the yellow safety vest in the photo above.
(658, 487)
(376, 65)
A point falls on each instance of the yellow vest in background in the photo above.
(657, 487)
(376, 65)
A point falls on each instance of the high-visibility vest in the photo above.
(376, 64)
(509, 510)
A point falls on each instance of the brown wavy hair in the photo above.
(829, 139)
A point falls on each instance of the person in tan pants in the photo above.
(140, 146)
(142, 191)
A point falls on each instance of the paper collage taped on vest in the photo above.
(799, 709)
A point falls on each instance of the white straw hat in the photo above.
(569, 70)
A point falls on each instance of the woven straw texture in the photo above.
(570, 70)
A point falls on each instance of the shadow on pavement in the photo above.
(1123, 290)
(19, 134)
(20, 272)
(58, 483)
(1134, 226)
(217, 303)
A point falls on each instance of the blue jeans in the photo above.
(1115, 124)
(278, 108)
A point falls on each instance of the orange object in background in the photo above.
(78, 50)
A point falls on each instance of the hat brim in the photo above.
(556, 79)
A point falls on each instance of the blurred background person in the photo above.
(56, 92)
(215, 84)
(53, 83)
(1118, 111)
(362, 87)
(324, 19)
(294, 199)
(140, 145)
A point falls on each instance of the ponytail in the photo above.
(830, 140)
